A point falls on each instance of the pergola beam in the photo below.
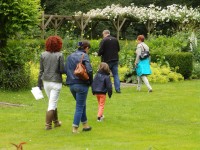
(82, 22)
(118, 24)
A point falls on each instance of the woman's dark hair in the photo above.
(83, 44)
(53, 44)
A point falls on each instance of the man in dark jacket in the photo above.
(109, 48)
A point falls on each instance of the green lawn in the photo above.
(167, 119)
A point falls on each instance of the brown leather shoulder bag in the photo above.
(80, 70)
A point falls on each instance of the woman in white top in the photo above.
(142, 65)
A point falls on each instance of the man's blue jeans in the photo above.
(113, 65)
(79, 92)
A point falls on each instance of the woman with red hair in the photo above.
(51, 70)
(142, 64)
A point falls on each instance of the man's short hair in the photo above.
(106, 32)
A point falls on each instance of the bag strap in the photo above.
(82, 58)
(143, 47)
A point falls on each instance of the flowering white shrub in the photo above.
(147, 15)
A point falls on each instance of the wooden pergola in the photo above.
(82, 22)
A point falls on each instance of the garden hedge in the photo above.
(183, 60)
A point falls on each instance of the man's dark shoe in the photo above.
(87, 129)
(118, 91)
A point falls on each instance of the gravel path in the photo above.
(11, 104)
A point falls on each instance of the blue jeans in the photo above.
(113, 65)
(79, 92)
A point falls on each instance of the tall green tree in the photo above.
(16, 16)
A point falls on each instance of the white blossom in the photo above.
(175, 13)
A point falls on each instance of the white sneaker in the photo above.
(138, 88)
(102, 118)
(150, 90)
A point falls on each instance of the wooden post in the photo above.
(82, 24)
(56, 24)
(118, 28)
(93, 26)
(118, 25)
(82, 30)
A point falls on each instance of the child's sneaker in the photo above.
(99, 119)
(102, 118)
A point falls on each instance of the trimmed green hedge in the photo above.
(183, 60)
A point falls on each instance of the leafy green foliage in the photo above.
(196, 71)
(19, 15)
(16, 16)
(162, 44)
(95, 61)
(15, 73)
(195, 46)
(127, 53)
(130, 76)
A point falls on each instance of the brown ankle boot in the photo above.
(49, 119)
(56, 122)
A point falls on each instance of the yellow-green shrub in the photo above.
(160, 74)
(122, 71)
(34, 67)
(163, 74)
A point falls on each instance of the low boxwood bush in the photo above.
(182, 61)
(15, 79)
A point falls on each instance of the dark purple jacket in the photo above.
(109, 48)
(102, 84)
